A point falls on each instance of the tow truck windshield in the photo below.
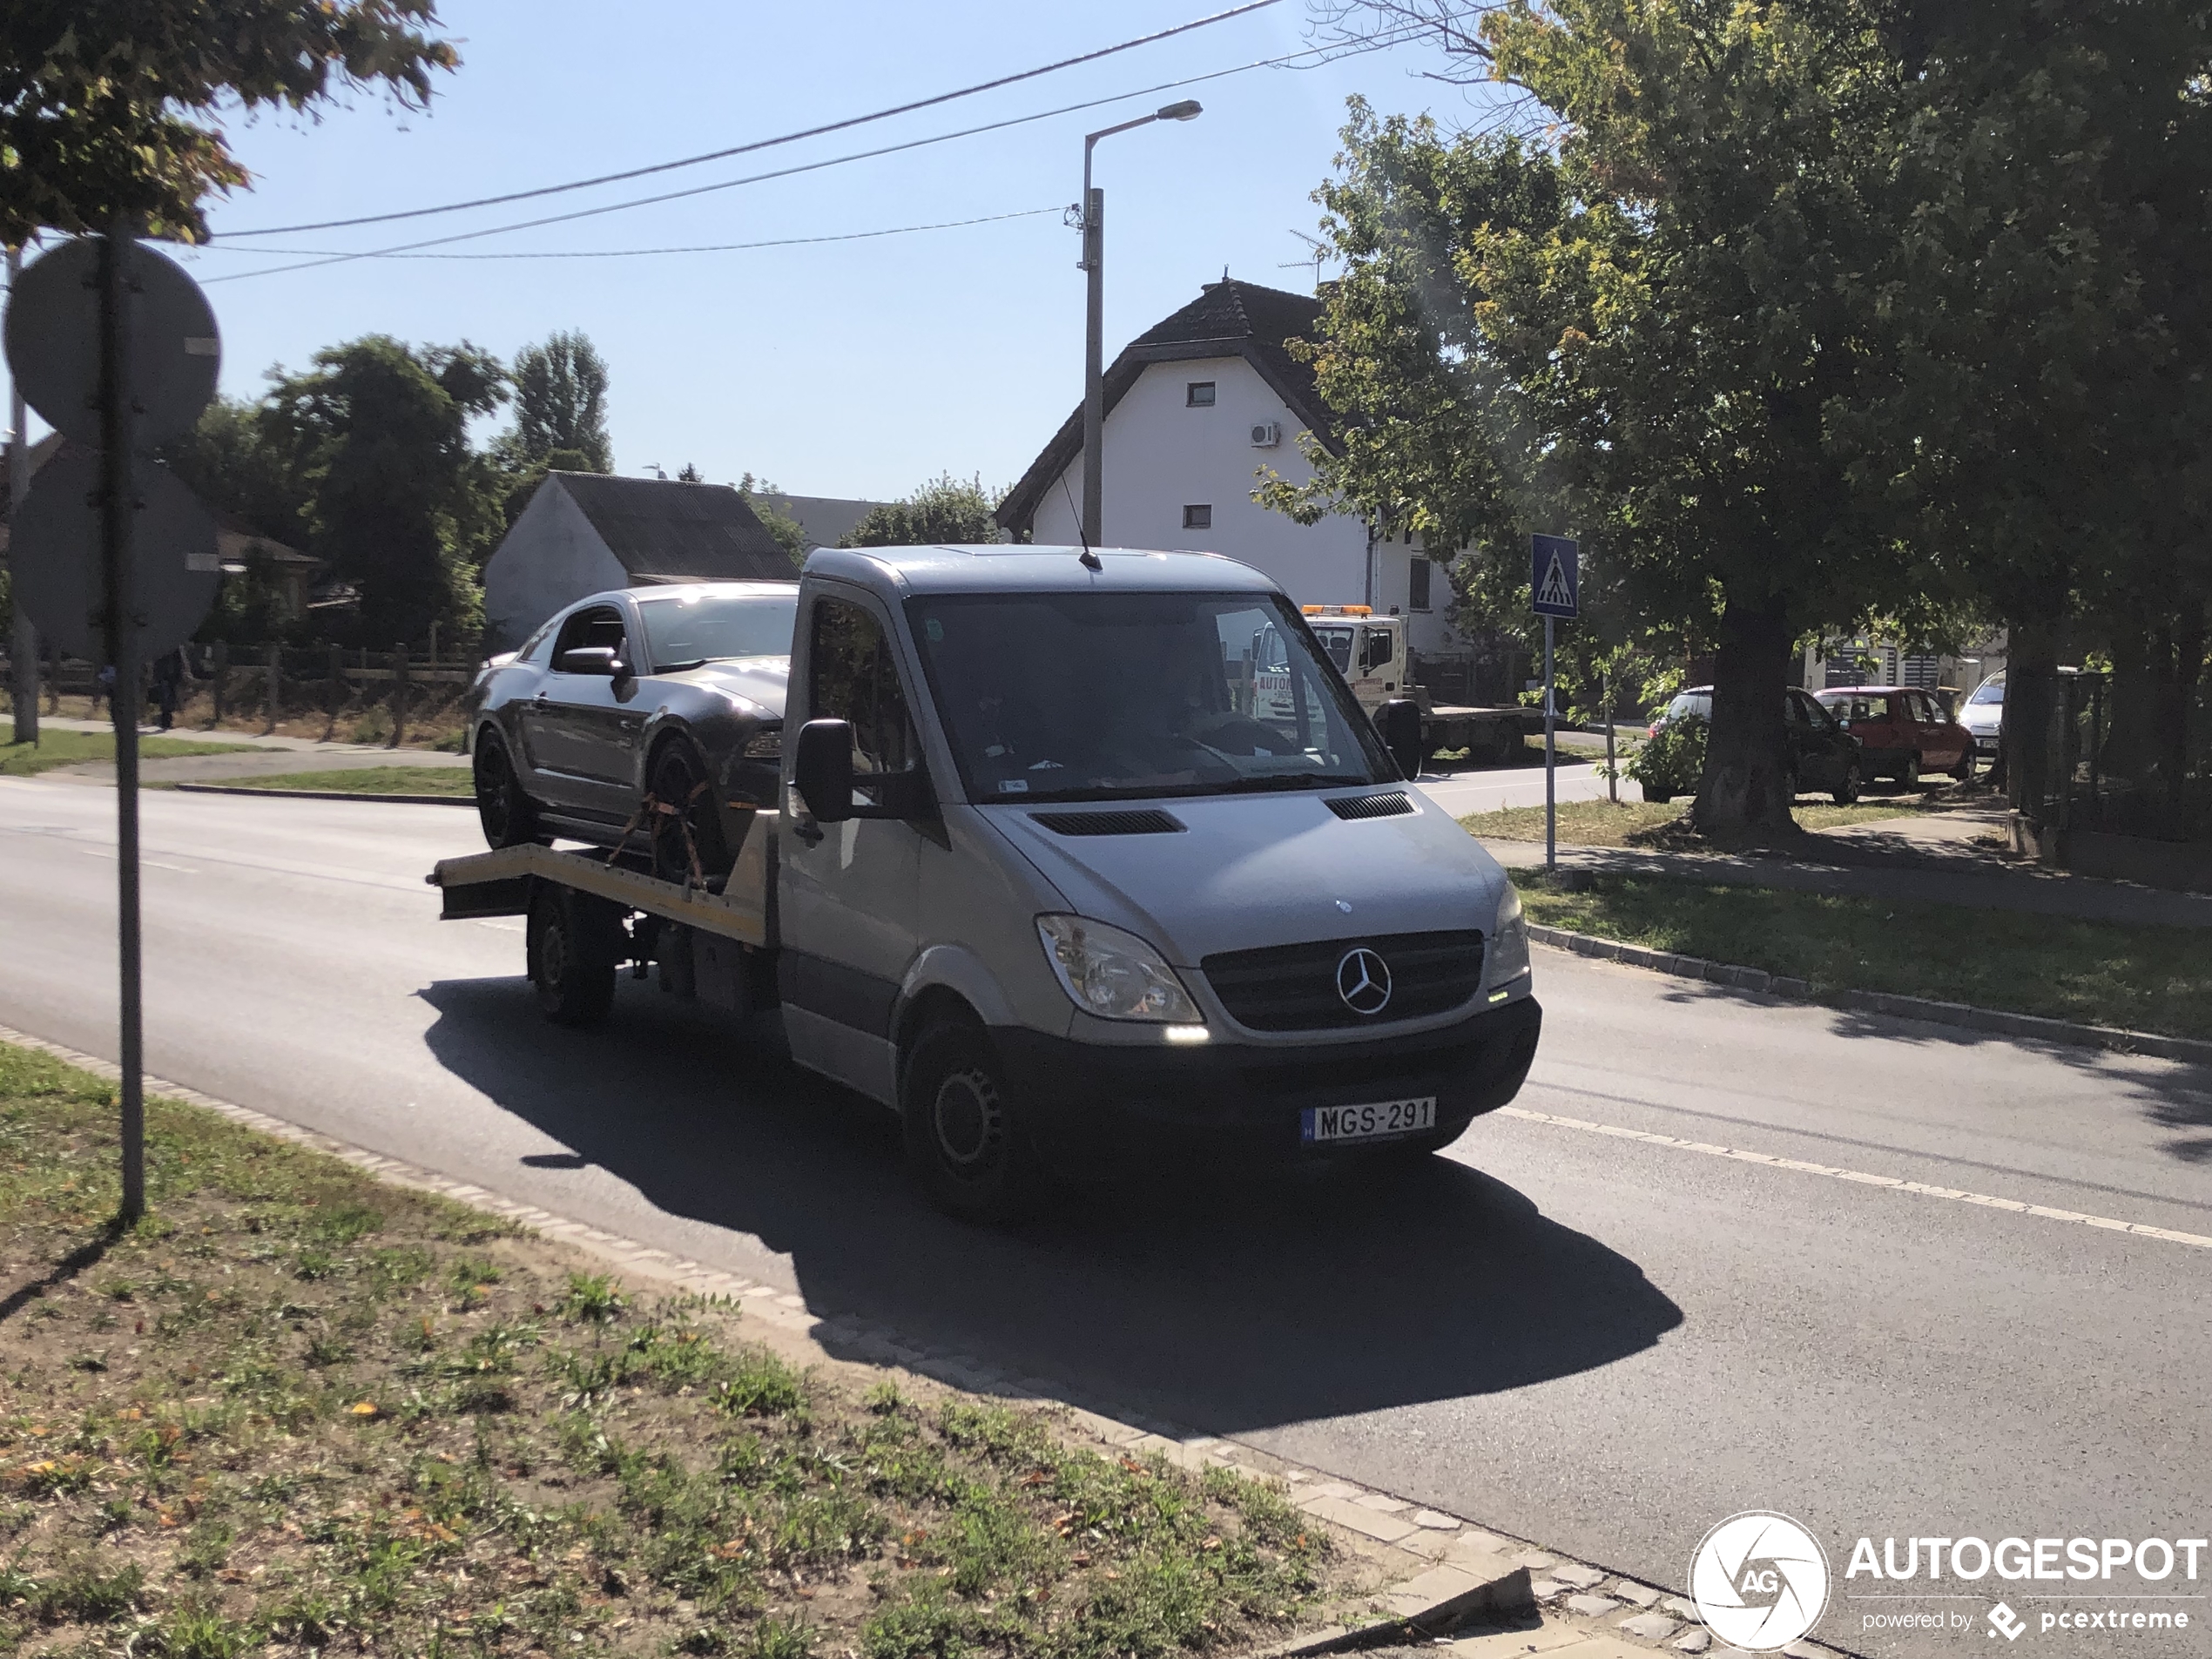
(1129, 696)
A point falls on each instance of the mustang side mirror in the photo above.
(591, 659)
(1400, 722)
(823, 770)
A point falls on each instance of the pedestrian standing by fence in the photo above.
(102, 686)
(169, 670)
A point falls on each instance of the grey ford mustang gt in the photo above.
(647, 718)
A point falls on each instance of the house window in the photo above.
(1197, 518)
(1417, 579)
(1199, 394)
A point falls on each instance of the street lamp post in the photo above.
(1093, 264)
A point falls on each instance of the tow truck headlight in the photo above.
(1114, 975)
(1508, 944)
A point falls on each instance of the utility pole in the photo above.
(1093, 264)
(23, 643)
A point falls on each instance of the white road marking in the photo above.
(110, 852)
(1953, 1194)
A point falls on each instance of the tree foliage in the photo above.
(375, 434)
(109, 107)
(560, 404)
(1799, 313)
(953, 511)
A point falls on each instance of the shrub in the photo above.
(1672, 760)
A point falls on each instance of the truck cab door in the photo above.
(1380, 665)
(849, 893)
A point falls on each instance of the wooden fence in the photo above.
(284, 682)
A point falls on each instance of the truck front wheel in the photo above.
(964, 1135)
(573, 947)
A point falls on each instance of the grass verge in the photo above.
(370, 780)
(297, 1410)
(1603, 823)
(59, 748)
(2144, 979)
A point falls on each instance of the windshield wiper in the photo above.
(681, 668)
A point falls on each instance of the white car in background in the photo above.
(1984, 714)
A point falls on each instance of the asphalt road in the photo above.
(1601, 1344)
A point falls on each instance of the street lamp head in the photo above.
(1188, 110)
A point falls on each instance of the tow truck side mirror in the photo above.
(1400, 722)
(823, 770)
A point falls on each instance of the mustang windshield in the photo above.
(1118, 696)
(685, 630)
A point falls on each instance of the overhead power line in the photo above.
(641, 253)
(770, 144)
(1328, 53)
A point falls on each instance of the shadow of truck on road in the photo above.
(1222, 1305)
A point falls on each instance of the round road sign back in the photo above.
(53, 335)
(56, 551)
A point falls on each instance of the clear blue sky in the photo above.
(855, 369)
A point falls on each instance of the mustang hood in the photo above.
(760, 680)
(1262, 869)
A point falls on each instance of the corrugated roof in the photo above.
(659, 527)
(1228, 319)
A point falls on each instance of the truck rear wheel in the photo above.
(574, 943)
(965, 1139)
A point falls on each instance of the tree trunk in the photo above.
(2031, 690)
(1745, 791)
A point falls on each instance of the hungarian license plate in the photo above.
(1322, 1125)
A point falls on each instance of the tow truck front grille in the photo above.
(1294, 987)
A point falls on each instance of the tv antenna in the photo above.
(1318, 254)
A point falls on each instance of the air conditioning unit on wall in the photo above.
(1266, 434)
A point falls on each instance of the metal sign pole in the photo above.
(23, 648)
(118, 611)
(1551, 760)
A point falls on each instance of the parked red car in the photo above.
(1904, 732)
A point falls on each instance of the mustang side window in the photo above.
(851, 677)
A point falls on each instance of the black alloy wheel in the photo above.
(508, 816)
(680, 779)
(964, 1136)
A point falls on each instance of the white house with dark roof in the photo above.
(586, 532)
(1195, 407)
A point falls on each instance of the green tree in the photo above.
(234, 464)
(953, 511)
(560, 404)
(401, 506)
(1631, 336)
(109, 107)
(766, 502)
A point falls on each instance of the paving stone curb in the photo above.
(320, 795)
(1994, 1021)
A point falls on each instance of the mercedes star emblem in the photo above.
(1363, 981)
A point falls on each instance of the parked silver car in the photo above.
(1984, 715)
(650, 718)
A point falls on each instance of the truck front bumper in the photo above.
(1090, 1108)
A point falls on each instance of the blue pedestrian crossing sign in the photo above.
(1555, 574)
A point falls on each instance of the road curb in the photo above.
(1996, 1021)
(322, 794)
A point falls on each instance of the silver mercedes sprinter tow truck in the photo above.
(1056, 879)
